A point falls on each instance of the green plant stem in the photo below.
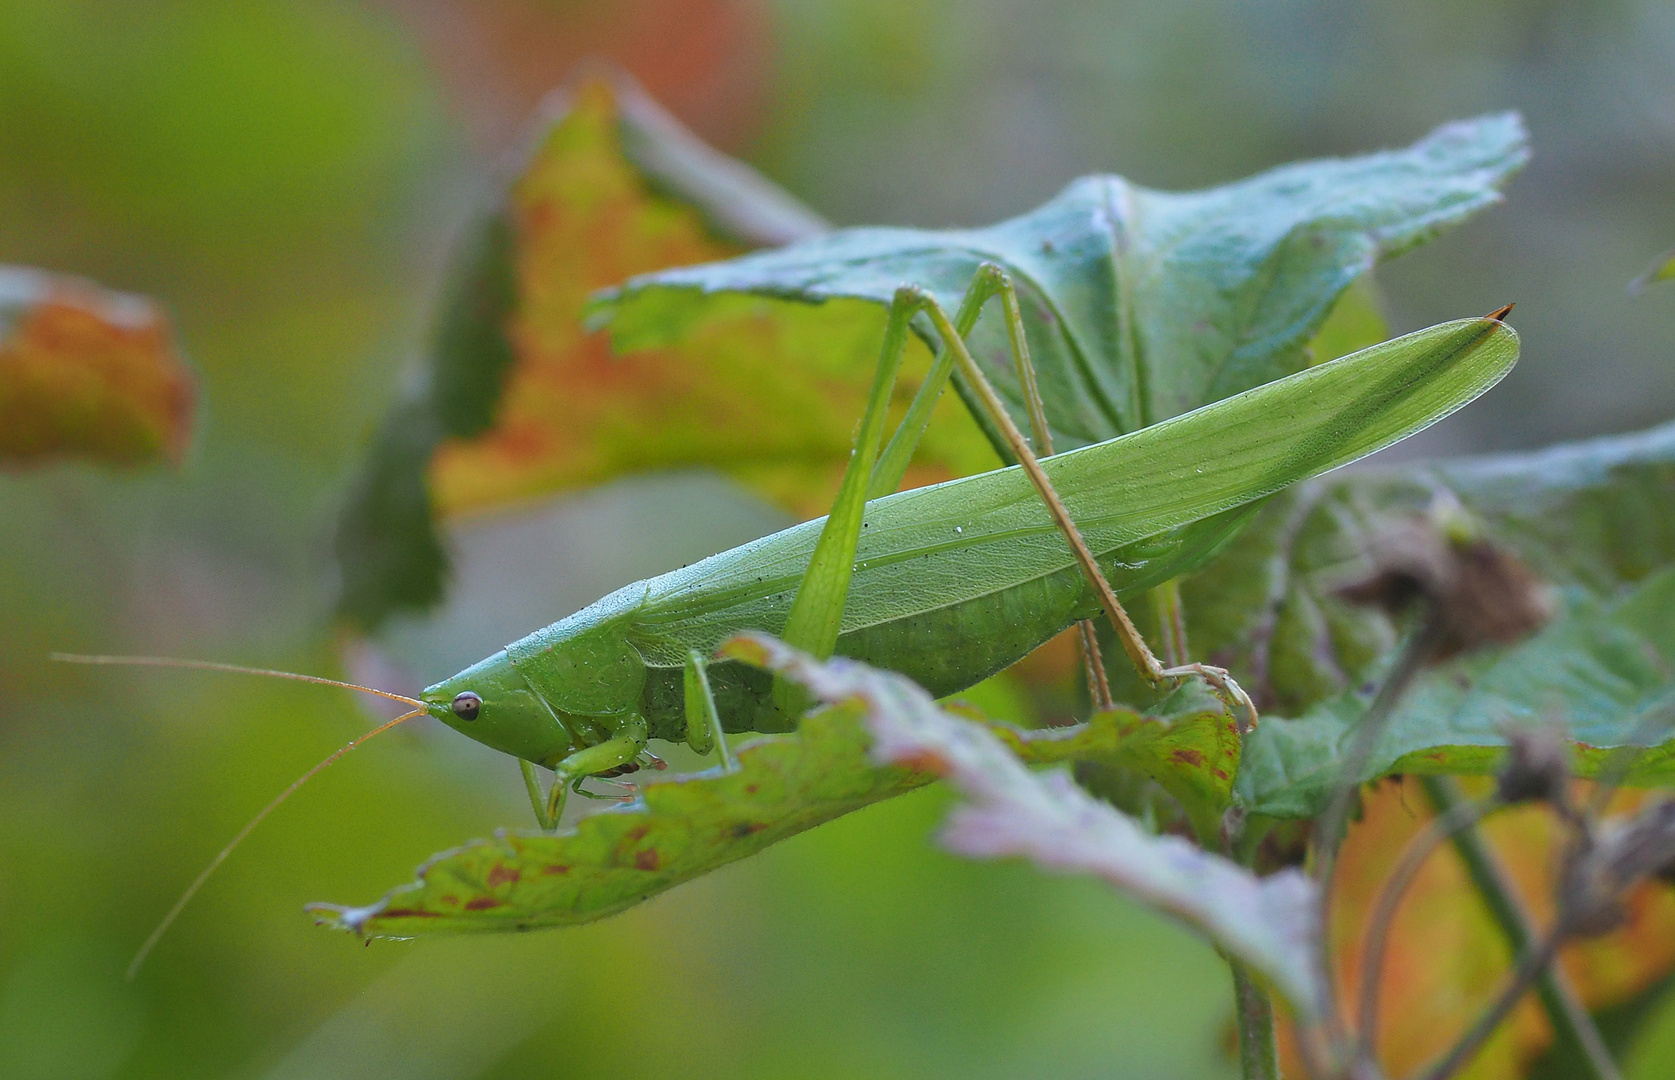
(1254, 1013)
(1573, 1028)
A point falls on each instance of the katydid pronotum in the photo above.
(946, 584)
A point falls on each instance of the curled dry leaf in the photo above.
(89, 373)
(1475, 591)
(1267, 922)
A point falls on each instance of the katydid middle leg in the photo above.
(703, 719)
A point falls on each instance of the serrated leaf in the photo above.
(521, 401)
(685, 826)
(1595, 519)
(88, 373)
(1139, 305)
(1267, 922)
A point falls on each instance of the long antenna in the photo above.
(418, 709)
(236, 669)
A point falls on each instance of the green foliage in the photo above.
(1592, 519)
(1139, 305)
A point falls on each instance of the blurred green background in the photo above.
(286, 175)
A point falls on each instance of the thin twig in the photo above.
(1461, 816)
(1329, 828)
(1254, 1013)
(1472, 1041)
(1573, 1028)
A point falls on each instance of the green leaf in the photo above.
(1662, 269)
(1267, 922)
(1596, 520)
(1139, 305)
(685, 826)
(87, 373)
(1606, 671)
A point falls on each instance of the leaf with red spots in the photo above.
(685, 826)
(88, 373)
(1268, 923)
(522, 401)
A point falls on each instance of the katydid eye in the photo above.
(467, 705)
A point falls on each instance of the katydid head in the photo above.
(495, 705)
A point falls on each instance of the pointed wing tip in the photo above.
(1500, 314)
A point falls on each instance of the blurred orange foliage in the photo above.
(85, 372)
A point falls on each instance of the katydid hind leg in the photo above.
(1087, 637)
(1219, 680)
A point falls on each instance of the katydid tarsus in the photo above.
(946, 584)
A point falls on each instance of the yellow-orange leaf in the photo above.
(85, 372)
(762, 395)
(523, 401)
(1447, 959)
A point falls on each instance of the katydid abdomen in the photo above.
(944, 646)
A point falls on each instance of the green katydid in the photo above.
(946, 584)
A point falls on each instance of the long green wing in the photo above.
(956, 542)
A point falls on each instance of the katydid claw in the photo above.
(1226, 688)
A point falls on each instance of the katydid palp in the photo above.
(946, 584)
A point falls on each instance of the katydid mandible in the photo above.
(947, 584)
